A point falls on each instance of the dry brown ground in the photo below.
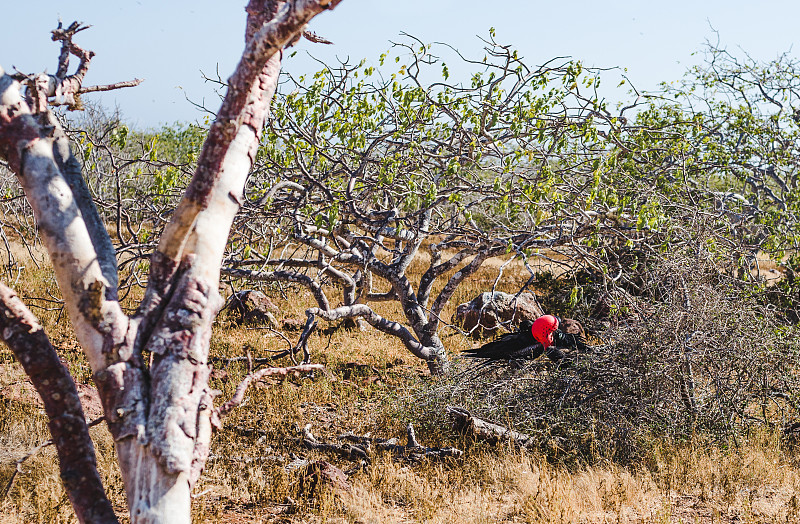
(247, 481)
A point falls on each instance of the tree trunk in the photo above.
(155, 496)
(438, 363)
(160, 417)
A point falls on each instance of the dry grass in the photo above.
(247, 481)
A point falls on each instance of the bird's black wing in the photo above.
(568, 340)
(512, 346)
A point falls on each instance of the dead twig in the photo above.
(241, 389)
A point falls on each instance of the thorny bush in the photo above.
(699, 353)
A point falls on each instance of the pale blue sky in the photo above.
(168, 42)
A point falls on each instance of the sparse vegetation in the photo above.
(657, 225)
(749, 473)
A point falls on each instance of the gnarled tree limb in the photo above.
(241, 389)
(161, 417)
(26, 338)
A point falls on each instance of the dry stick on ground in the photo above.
(482, 429)
(241, 389)
(416, 452)
(256, 362)
(352, 452)
(362, 447)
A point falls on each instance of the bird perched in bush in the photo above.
(547, 334)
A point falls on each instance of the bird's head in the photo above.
(542, 329)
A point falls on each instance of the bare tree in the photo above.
(370, 170)
(160, 416)
(367, 173)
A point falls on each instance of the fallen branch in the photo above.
(482, 429)
(255, 362)
(277, 459)
(241, 389)
(348, 451)
(413, 452)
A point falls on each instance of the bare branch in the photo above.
(485, 430)
(282, 276)
(241, 389)
(111, 87)
(270, 38)
(26, 338)
(313, 37)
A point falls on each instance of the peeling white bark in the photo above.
(67, 239)
(210, 235)
(154, 496)
(162, 423)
